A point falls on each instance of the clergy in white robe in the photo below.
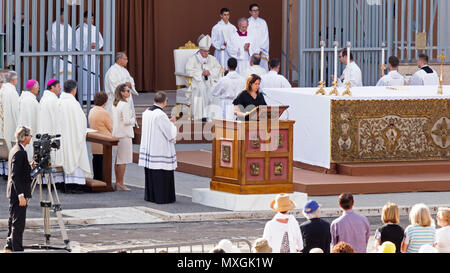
(157, 152)
(72, 124)
(242, 45)
(29, 110)
(64, 45)
(352, 72)
(259, 26)
(220, 35)
(205, 72)
(82, 44)
(393, 78)
(117, 75)
(426, 75)
(9, 99)
(226, 90)
(255, 67)
(273, 79)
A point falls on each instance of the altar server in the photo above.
(220, 35)
(393, 78)
(273, 79)
(72, 125)
(226, 90)
(29, 110)
(242, 45)
(259, 26)
(426, 75)
(255, 67)
(117, 75)
(10, 107)
(157, 152)
(205, 72)
(83, 32)
(352, 72)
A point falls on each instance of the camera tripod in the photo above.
(47, 205)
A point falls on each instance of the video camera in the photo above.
(42, 149)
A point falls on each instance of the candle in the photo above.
(336, 57)
(383, 54)
(347, 78)
(322, 59)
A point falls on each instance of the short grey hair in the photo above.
(10, 75)
(21, 133)
(119, 55)
(313, 215)
(242, 20)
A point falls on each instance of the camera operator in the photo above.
(18, 190)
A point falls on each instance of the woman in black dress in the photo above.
(249, 98)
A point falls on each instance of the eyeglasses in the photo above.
(255, 10)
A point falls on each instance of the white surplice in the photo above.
(10, 110)
(425, 76)
(95, 80)
(236, 49)
(116, 76)
(53, 39)
(48, 119)
(201, 87)
(259, 26)
(220, 35)
(393, 78)
(224, 92)
(29, 110)
(72, 125)
(353, 74)
(159, 134)
(274, 80)
(254, 69)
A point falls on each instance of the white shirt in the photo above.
(236, 49)
(220, 35)
(393, 78)
(261, 30)
(274, 80)
(116, 76)
(443, 240)
(254, 69)
(224, 92)
(425, 76)
(353, 74)
(274, 232)
(9, 99)
(123, 120)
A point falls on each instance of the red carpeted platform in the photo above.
(355, 178)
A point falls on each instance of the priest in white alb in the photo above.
(72, 124)
(82, 33)
(255, 67)
(258, 25)
(117, 75)
(205, 72)
(220, 35)
(242, 45)
(29, 110)
(226, 90)
(273, 79)
(426, 75)
(157, 152)
(10, 107)
(393, 78)
(352, 72)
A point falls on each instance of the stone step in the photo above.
(395, 168)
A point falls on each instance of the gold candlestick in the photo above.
(383, 69)
(347, 90)
(440, 89)
(335, 91)
(321, 91)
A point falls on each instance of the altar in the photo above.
(376, 124)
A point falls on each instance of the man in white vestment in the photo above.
(393, 78)
(9, 99)
(72, 125)
(226, 90)
(205, 72)
(259, 26)
(29, 110)
(117, 75)
(157, 152)
(273, 79)
(53, 39)
(83, 32)
(352, 72)
(220, 35)
(242, 45)
(255, 67)
(426, 75)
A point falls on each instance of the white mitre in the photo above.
(204, 42)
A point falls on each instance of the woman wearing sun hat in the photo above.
(283, 231)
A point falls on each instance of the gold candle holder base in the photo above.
(347, 90)
(335, 91)
(383, 69)
(321, 90)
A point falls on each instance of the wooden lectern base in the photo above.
(252, 189)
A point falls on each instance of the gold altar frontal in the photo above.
(252, 157)
(390, 130)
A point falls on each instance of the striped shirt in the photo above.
(417, 236)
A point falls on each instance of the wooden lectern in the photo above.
(254, 157)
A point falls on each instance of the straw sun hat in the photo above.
(282, 203)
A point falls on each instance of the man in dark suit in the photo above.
(18, 190)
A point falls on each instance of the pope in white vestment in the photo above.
(242, 45)
(220, 36)
(29, 110)
(72, 125)
(94, 74)
(53, 39)
(205, 72)
(259, 26)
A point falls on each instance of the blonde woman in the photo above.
(422, 230)
(442, 242)
(390, 231)
(123, 123)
